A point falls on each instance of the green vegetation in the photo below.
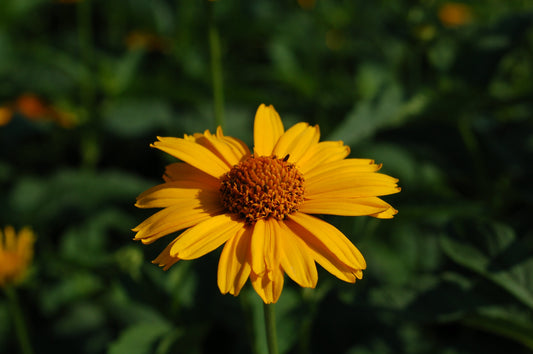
(441, 95)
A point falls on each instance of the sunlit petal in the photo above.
(267, 130)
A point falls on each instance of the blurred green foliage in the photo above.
(443, 99)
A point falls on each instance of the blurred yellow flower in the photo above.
(453, 14)
(258, 204)
(16, 254)
(5, 115)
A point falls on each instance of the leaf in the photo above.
(70, 192)
(510, 324)
(131, 117)
(139, 338)
(492, 250)
(388, 108)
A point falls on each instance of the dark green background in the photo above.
(447, 110)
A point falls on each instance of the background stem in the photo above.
(216, 66)
(18, 321)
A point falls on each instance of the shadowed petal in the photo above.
(195, 154)
(329, 239)
(264, 252)
(184, 214)
(168, 194)
(322, 153)
(180, 171)
(164, 259)
(227, 150)
(233, 266)
(269, 288)
(205, 237)
(295, 257)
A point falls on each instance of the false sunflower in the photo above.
(259, 203)
(16, 254)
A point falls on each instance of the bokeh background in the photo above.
(439, 92)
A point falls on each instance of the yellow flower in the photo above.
(6, 113)
(259, 204)
(16, 253)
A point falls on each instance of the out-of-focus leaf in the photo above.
(492, 250)
(70, 289)
(512, 324)
(71, 191)
(130, 117)
(118, 74)
(139, 338)
(369, 116)
(92, 237)
(80, 318)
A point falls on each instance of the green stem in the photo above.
(18, 321)
(270, 327)
(216, 66)
(89, 146)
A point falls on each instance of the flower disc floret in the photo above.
(262, 187)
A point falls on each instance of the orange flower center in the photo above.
(262, 187)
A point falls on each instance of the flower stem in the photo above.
(89, 146)
(270, 327)
(216, 66)
(18, 321)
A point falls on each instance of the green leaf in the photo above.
(511, 324)
(140, 338)
(492, 250)
(131, 117)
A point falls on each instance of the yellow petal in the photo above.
(239, 147)
(296, 141)
(205, 237)
(224, 149)
(194, 154)
(180, 216)
(344, 206)
(321, 153)
(347, 184)
(344, 165)
(386, 214)
(267, 130)
(326, 237)
(180, 171)
(233, 266)
(257, 247)
(268, 288)
(295, 257)
(168, 194)
(164, 259)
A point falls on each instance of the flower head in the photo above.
(259, 204)
(16, 253)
